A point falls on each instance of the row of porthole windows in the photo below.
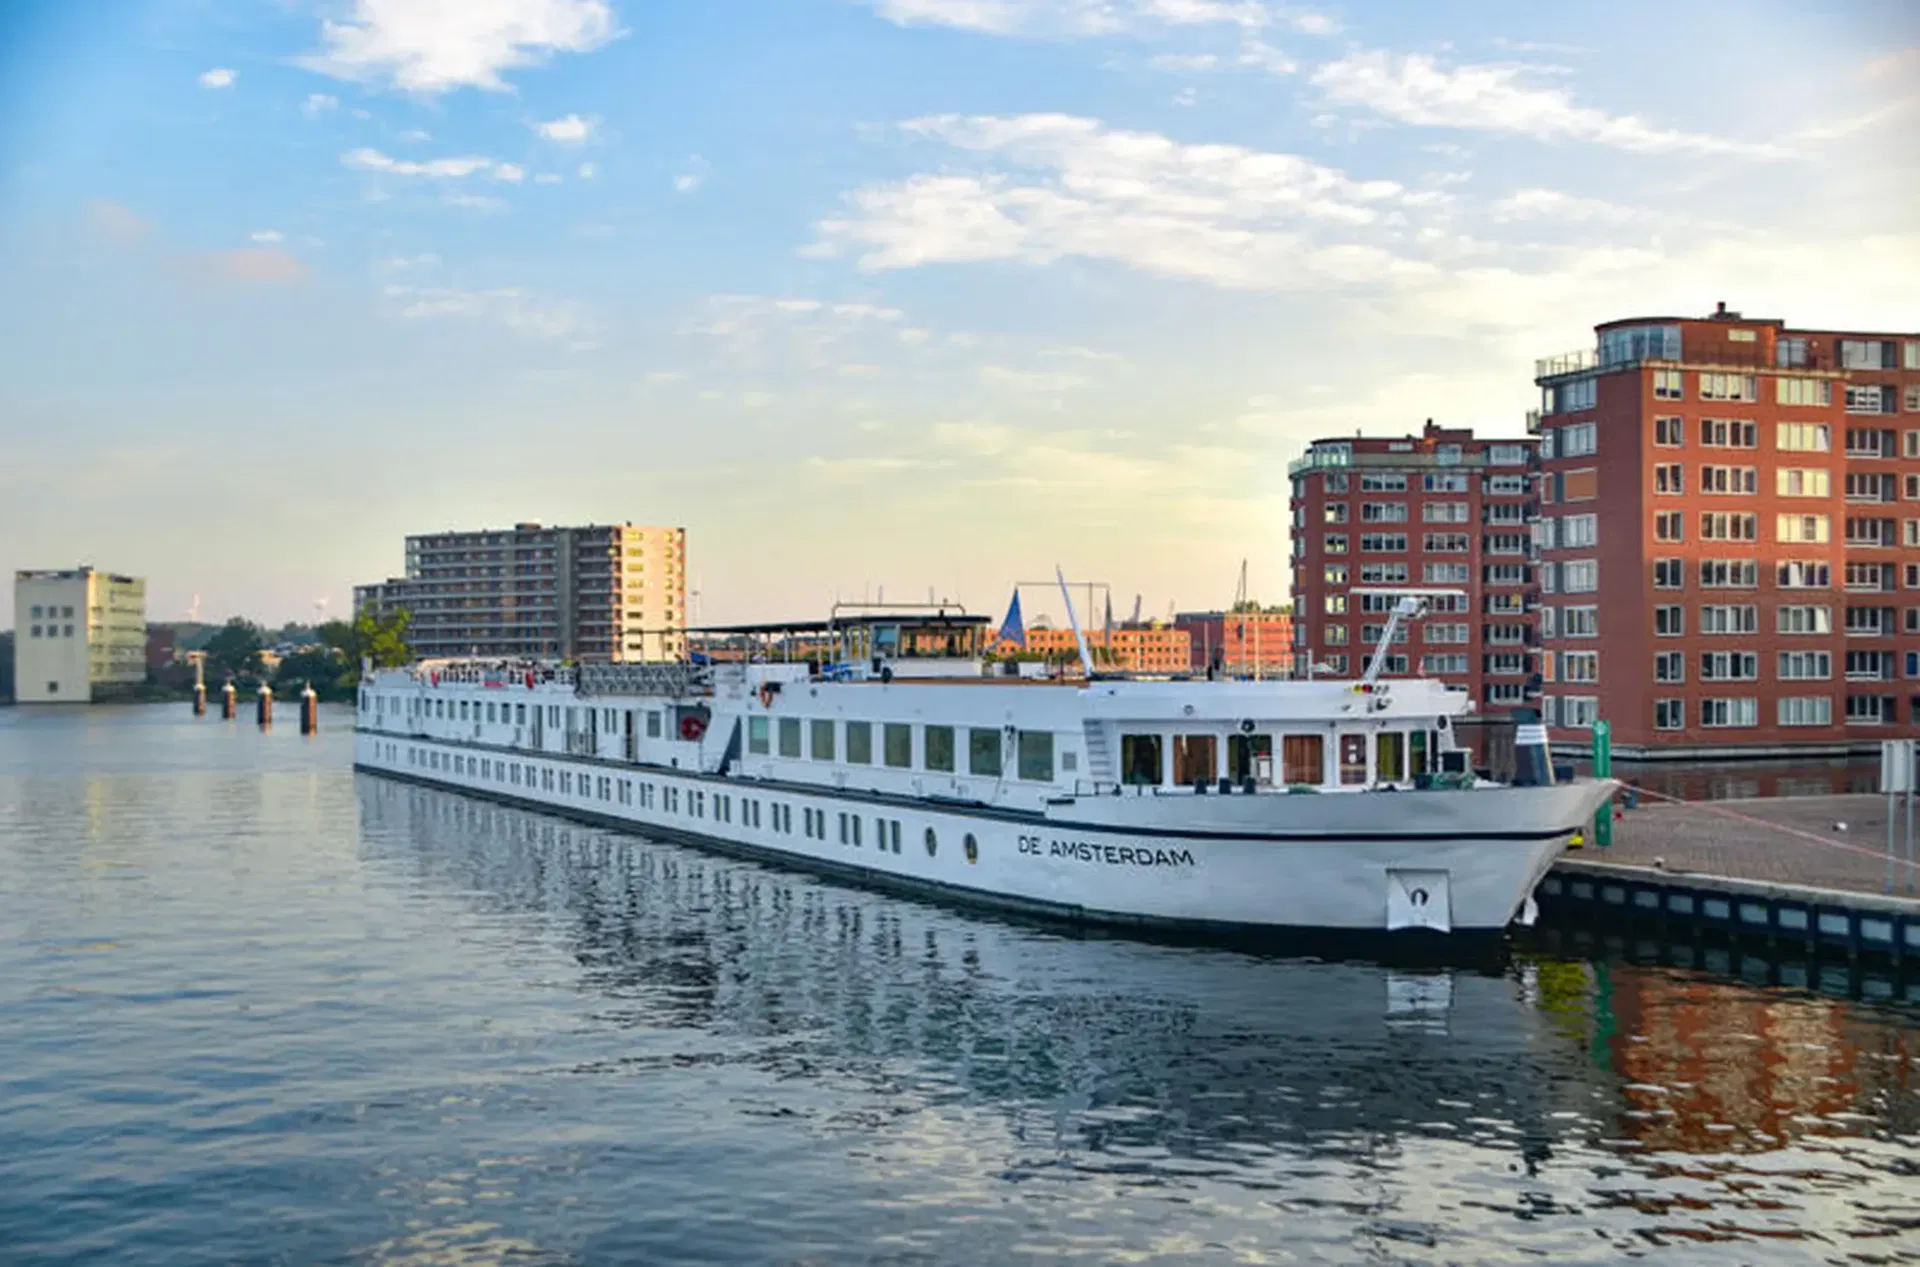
(623, 791)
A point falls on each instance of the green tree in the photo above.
(382, 639)
(322, 668)
(234, 650)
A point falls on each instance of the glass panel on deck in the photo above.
(1353, 760)
(1193, 759)
(1250, 757)
(1305, 759)
(1140, 759)
(1390, 756)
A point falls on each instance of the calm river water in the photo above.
(257, 1009)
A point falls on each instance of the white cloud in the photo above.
(266, 235)
(1551, 204)
(1497, 98)
(319, 103)
(570, 130)
(218, 77)
(457, 168)
(438, 47)
(509, 307)
(1071, 18)
(1237, 217)
(547, 178)
(1187, 63)
(587, 171)
(686, 183)
(416, 136)
(1902, 64)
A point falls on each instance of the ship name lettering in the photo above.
(1110, 855)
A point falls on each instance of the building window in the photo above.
(1728, 479)
(1669, 525)
(1803, 437)
(1579, 622)
(1729, 619)
(1669, 621)
(1803, 620)
(1383, 574)
(1383, 543)
(1445, 481)
(1444, 513)
(1729, 573)
(1729, 666)
(1334, 543)
(1729, 713)
(1668, 574)
(1668, 385)
(1727, 433)
(1336, 482)
(1335, 513)
(1579, 712)
(1804, 574)
(1580, 576)
(1805, 666)
(1446, 573)
(1503, 455)
(1579, 666)
(1789, 390)
(1669, 477)
(1334, 574)
(1719, 525)
(1865, 354)
(1576, 440)
(1669, 714)
(1802, 529)
(1727, 387)
(1446, 543)
(1806, 710)
(1792, 481)
(1670, 666)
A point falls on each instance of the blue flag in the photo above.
(1013, 629)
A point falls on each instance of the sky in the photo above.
(874, 297)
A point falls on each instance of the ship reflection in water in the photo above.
(753, 1050)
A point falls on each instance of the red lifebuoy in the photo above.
(691, 728)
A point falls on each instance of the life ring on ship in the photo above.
(767, 691)
(691, 728)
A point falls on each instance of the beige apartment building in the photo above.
(75, 630)
(598, 593)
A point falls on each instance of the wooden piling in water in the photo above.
(309, 711)
(263, 706)
(229, 702)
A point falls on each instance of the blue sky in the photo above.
(866, 293)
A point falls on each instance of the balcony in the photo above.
(1579, 361)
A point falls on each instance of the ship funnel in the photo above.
(1532, 760)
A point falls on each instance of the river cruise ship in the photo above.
(884, 746)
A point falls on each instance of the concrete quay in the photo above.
(1778, 870)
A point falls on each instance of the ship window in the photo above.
(1353, 759)
(860, 742)
(1193, 759)
(933, 843)
(856, 830)
(789, 736)
(983, 751)
(897, 743)
(519, 714)
(757, 734)
(939, 748)
(653, 725)
(1418, 748)
(820, 742)
(1390, 756)
(493, 711)
(1036, 755)
(843, 829)
(1250, 757)
(1140, 759)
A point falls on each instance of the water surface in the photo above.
(257, 1009)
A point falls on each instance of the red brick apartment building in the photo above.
(1730, 537)
(1443, 510)
(1252, 642)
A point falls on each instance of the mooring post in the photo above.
(229, 702)
(309, 711)
(199, 688)
(1602, 769)
(1896, 780)
(263, 706)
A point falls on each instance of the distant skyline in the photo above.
(866, 293)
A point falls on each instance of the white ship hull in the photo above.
(1445, 861)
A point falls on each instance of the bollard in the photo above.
(309, 711)
(1602, 769)
(199, 699)
(229, 702)
(263, 706)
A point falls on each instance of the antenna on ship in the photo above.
(1073, 618)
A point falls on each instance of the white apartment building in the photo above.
(74, 630)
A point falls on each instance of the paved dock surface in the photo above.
(1789, 841)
